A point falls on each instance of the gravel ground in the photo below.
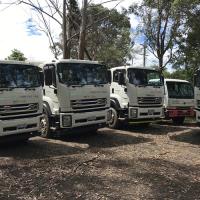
(156, 162)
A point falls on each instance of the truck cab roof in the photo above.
(132, 67)
(175, 80)
(71, 61)
(16, 62)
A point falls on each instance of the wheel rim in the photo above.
(113, 116)
(44, 125)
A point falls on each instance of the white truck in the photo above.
(197, 95)
(20, 99)
(179, 100)
(134, 96)
(75, 96)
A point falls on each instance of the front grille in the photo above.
(7, 111)
(88, 103)
(149, 100)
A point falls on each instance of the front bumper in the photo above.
(150, 113)
(86, 119)
(197, 112)
(179, 113)
(19, 126)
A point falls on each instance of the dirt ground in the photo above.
(157, 162)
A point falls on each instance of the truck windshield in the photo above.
(82, 73)
(144, 77)
(18, 76)
(180, 90)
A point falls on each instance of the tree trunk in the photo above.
(82, 31)
(64, 30)
(160, 63)
(68, 33)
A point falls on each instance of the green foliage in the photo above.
(185, 74)
(16, 55)
(108, 39)
(166, 74)
(107, 35)
(160, 22)
(189, 41)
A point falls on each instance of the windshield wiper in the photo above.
(29, 88)
(98, 84)
(6, 89)
(76, 85)
(141, 85)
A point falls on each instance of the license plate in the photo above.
(151, 112)
(21, 126)
(92, 118)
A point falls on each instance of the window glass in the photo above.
(16, 75)
(180, 90)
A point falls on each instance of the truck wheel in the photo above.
(178, 120)
(94, 131)
(44, 125)
(114, 122)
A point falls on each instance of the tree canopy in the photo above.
(16, 55)
(188, 43)
(160, 23)
(108, 36)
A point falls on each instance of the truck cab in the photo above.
(20, 99)
(136, 95)
(197, 95)
(75, 96)
(179, 100)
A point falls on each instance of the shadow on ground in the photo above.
(152, 129)
(105, 138)
(37, 149)
(189, 122)
(116, 179)
(140, 179)
(192, 137)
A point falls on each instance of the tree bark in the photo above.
(82, 31)
(64, 31)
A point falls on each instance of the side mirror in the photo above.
(109, 76)
(41, 75)
(54, 77)
(162, 79)
(121, 78)
(48, 77)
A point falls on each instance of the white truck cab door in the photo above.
(116, 88)
(50, 89)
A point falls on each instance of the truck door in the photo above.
(50, 89)
(116, 89)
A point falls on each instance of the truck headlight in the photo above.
(163, 112)
(67, 120)
(109, 115)
(198, 103)
(133, 112)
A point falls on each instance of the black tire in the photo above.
(94, 131)
(45, 125)
(178, 120)
(114, 122)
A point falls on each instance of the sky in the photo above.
(18, 30)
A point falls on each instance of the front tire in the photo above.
(45, 125)
(114, 122)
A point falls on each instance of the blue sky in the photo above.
(31, 28)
